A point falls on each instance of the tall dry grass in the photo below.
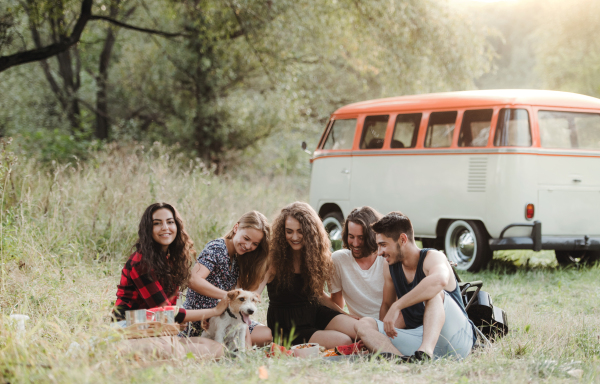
(66, 233)
(68, 229)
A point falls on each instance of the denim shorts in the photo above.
(456, 337)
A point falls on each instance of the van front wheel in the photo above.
(334, 225)
(466, 244)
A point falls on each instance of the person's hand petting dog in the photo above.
(221, 306)
(219, 309)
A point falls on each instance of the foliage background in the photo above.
(247, 81)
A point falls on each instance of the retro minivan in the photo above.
(475, 171)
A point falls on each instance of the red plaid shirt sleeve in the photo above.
(139, 289)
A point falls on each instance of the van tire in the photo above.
(466, 243)
(566, 258)
(334, 225)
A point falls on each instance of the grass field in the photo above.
(66, 233)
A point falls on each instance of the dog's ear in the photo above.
(257, 298)
(233, 294)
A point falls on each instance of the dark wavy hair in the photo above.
(172, 272)
(365, 217)
(315, 265)
(393, 225)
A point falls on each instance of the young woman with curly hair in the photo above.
(239, 259)
(300, 266)
(153, 276)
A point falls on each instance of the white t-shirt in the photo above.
(362, 290)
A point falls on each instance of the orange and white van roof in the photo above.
(471, 99)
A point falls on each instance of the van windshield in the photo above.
(569, 130)
(341, 135)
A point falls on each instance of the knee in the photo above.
(209, 349)
(261, 336)
(267, 336)
(218, 351)
(348, 340)
(364, 325)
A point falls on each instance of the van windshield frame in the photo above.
(342, 136)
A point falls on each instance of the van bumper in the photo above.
(537, 242)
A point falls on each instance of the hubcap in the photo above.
(466, 245)
(461, 244)
(334, 229)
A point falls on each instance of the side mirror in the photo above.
(304, 148)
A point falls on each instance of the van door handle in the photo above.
(346, 171)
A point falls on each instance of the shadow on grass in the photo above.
(513, 262)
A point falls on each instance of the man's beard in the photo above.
(398, 256)
(400, 253)
(363, 253)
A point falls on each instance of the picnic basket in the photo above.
(150, 329)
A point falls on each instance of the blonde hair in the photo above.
(315, 264)
(253, 265)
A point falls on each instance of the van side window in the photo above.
(341, 134)
(440, 129)
(475, 128)
(405, 130)
(374, 132)
(512, 129)
(569, 129)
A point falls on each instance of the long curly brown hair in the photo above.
(173, 272)
(315, 265)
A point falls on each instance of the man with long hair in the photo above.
(358, 276)
(422, 310)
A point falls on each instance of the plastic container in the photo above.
(167, 317)
(306, 350)
(138, 316)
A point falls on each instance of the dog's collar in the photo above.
(230, 314)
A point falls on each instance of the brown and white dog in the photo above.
(230, 327)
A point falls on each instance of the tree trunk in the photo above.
(71, 84)
(102, 122)
(102, 116)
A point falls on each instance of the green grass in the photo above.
(67, 232)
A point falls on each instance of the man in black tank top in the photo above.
(421, 297)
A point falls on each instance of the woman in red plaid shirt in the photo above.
(153, 276)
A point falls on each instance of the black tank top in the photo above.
(294, 295)
(413, 315)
